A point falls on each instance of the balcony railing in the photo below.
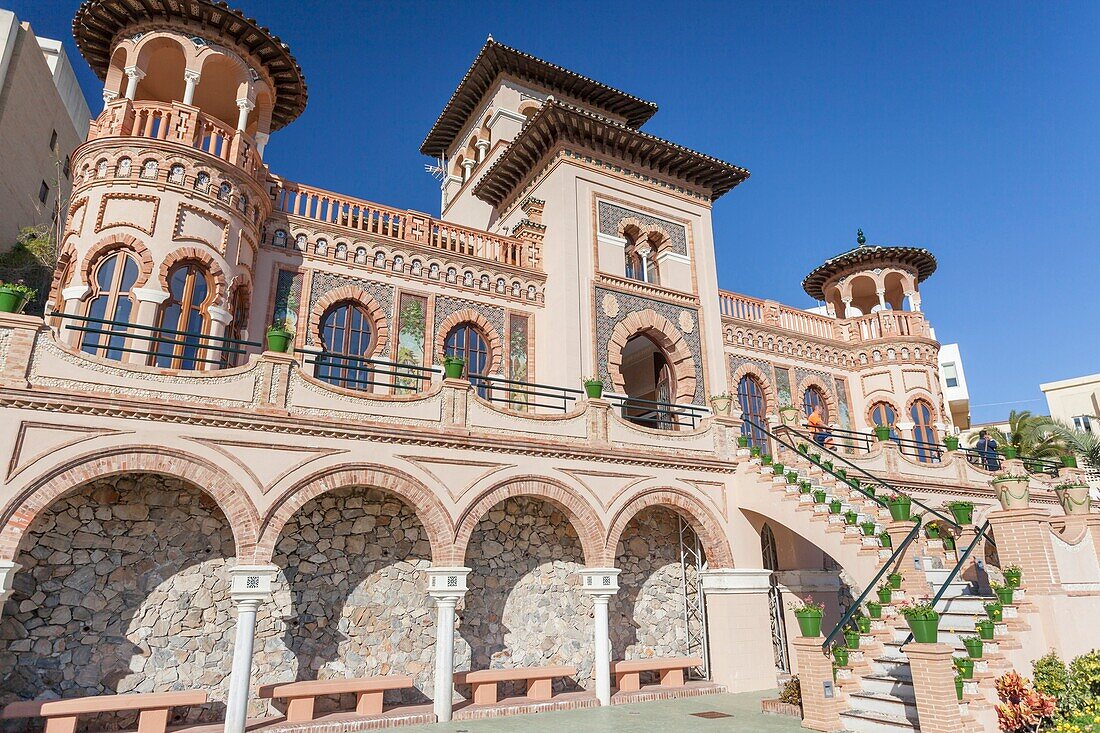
(327, 207)
(178, 123)
(658, 415)
(524, 396)
(366, 374)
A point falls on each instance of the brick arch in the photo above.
(379, 327)
(107, 245)
(645, 232)
(65, 260)
(229, 495)
(702, 520)
(582, 516)
(199, 255)
(872, 402)
(830, 401)
(771, 400)
(668, 339)
(427, 506)
(469, 315)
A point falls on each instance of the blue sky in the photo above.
(969, 129)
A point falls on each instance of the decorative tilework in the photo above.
(288, 294)
(324, 282)
(629, 303)
(610, 215)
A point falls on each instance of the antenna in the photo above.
(438, 170)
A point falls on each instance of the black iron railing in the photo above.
(117, 334)
(520, 396)
(363, 373)
(658, 415)
(852, 440)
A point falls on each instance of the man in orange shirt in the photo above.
(818, 426)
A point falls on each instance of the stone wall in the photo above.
(123, 589)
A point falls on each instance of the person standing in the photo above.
(987, 449)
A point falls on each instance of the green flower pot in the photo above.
(985, 629)
(894, 579)
(809, 622)
(819, 497)
(840, 656)
(1009, 452)
(882, 433)
(885, 595)
(11, 300)
(1013, 578)
(792, 477)
(804, 487)
(874, 610)
(868, 529)
(958, 687)
(803, 448)
(885, 540)
(948, 543)
(995, 612)
(900, 509)
(931, 532)
(965, 665)
(835, 506)
(278, 340)
(851, 639)
(974, 648)
(850, 518)
(1004, 595)
(753, 451)
(742, 441)
(765, 460)
(951, 442)
(962, 513)
(593, 388)
(863, 623)
(452, 367)
(1069, 461)
(777, 469)
(925, 630)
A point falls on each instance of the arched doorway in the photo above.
(770, 557)
(647, 379)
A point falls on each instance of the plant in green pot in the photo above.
(863, 623)
(885, 593)
(828, 465)
(901, 507)
(1013, 490)
(777, 469)
(835, 506)
(819, 496)
(840, 655)
(804, 487)
(279, 336)
(923, 620)
(854, 483)
(754, 451)
(1003, 592)
(868, 528)
(1008, 451)
(803, 448)
(882, 433)
(593, 388)
(850, 518)
(15, 296)
(841, 473)
(965, 666)
(851, 638)
(951, 442)
(974, 645)
(932, 530)
(885, 539)
(874, 609)
(743, 442)
(792, 477)
(765, 460)
(894, 579)
(985, 629)
(962, 511)
(995, 611)
(1013, 575)
(453, 366)
(948, 542)
(1074, 497)
(1069, 461)
(809, 614)
(959, 687)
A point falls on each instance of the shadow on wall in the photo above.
(524, 607)
(123, 588)
(353, 598)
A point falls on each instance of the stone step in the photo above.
(896, 667)
(889, 686)
(963, 603)
(867, 721)
(885, 704)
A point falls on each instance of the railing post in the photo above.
(275, 381)
(821, 704)
(456, 397)
(599, 415)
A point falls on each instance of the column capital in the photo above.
(599, 582)
(250, 585)
(482, 144)
(134, 72)
(735, 581)
(109, 96)
(221, 315)
(191, 76)
(75, 292)
(246, 103)
(447, 585)
(149, 295)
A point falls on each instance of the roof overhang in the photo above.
(496, 59)
(559, 123)
(921, 260)
(99, 22)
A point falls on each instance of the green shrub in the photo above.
(1052, 677)
(792, 692)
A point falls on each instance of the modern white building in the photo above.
(956, 397)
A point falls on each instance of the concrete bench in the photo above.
(628, 674)
(301, 695)
(61, 715)
(539, 681)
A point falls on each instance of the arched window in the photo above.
(175, 174)
(812, 398)
(466, 342)
(101, 168)
(346, 332)
(149, 169)
(279, 240)
(641, 262)
(750, 397)
(341, 251)
(923, 431)
(225, 191)
(114, 279)
(123, 168)
(883, 414)
(202, 181)
(183, 319)
(361, 256)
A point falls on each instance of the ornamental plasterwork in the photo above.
(325, 282)
(610, 215)
(446, 306)
(686, 322)
(610, 305)
(359, 406)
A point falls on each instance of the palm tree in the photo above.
(1033, 436)
(1086, 445)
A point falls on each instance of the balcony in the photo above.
(180, 124)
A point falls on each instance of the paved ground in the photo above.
(665, 716)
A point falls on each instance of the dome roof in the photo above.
(869, 256)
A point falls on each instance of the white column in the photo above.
(467, 170)
(847, 308)
(245, 106)
(191, 80)
(133, 76)
(881, 299)
(601, 584)
(250, 585)
(447, 586)
(71, 298)
(482, 149)
(8, 569)
(261, 142)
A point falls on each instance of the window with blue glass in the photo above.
(346, 334)
(184, 320)
(750, 397)
(110, 305)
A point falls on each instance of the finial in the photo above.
(860, 239)
(490, 38)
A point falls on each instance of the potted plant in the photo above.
(948, 542)
(765, 460)
(850, 518)
(15, 296)
(803, 448)
(951, 442)
(841, 473)
(819, 496)
(868, 528)
(804, 487)
(973, 644)
(792, 477)
(995, 611)
(923, 621)
(840, 655)
(894, 579)
(885, 594)
(721, 404)
(279, 336)
(743, 442)
(851, 638)
(962, 511)
(958, 687)
(932, 530)
(1074, 497)
(1013, 575)
(1069, 461)
(965, 666)
(985, 629)
(1008, 451)
(863, 623)
(777, 469)
(884, 539)
(808, 615)
(754, 451)
(882, 433)
(900, 507)
(788, 415)
(593, 387)
(835, 506)
(828, 466)
(1013, 490)
(874, 609)
(1003, 592)
(854, 483)
(453, 366)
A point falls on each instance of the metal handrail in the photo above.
(188, 340)
(352, 362)
(886, 566)
(674, 410)
(513, 387)
(154, 329)
(978, 534)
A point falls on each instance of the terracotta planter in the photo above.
(1013, 493)
(925, 630)
(721, 405)
(1074, 500)
(278, 340)
(809, 622)
(11, 300)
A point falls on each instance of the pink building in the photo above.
(185, 510)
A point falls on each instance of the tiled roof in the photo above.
(871, 255)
